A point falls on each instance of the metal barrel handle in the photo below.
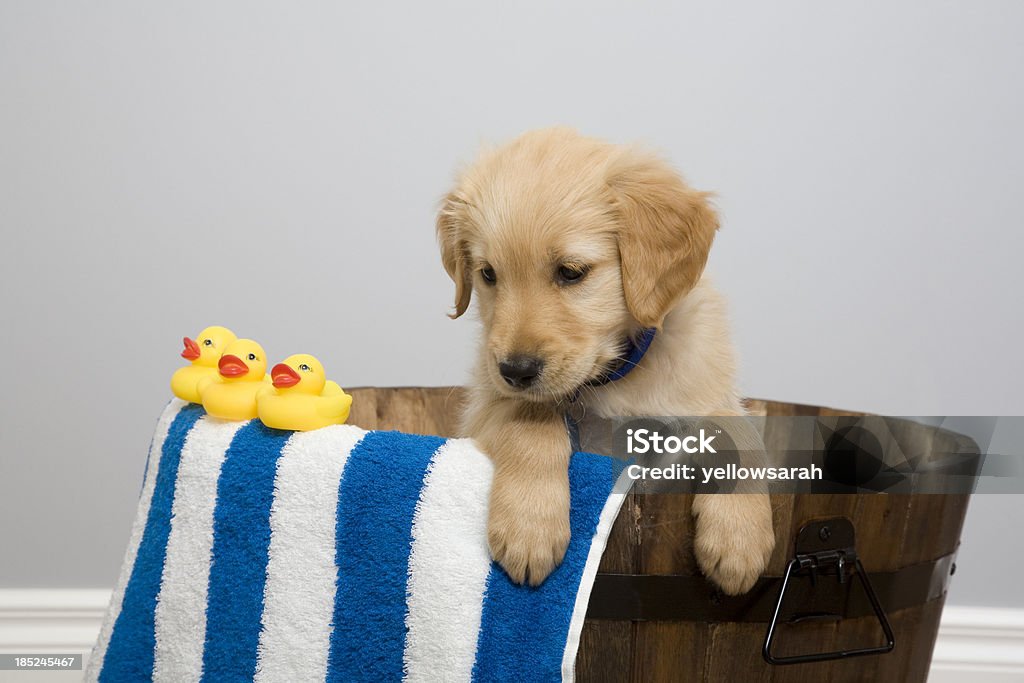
(821, 545)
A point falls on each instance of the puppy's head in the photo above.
(571, 245)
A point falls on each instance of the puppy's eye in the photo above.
(569, 274)
(304, 367)
(487, 273)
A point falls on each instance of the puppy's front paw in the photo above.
(528, 531)
(734, 539)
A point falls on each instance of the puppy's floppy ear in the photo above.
(453, 252)
(665, 234)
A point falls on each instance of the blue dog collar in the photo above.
(634, 352)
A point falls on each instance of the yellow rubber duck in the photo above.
(302, 398)
(204, 352)
(231, 395)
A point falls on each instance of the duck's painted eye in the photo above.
(207, 342)
(304, 367)
(252, 356)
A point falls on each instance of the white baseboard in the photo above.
(50, 621)
(979, 644)
(40, 619)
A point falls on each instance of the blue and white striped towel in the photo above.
(337, 555)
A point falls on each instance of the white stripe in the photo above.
(301, 572)
(597, 545)
(180, 615)
(448, 565)
(163, 425)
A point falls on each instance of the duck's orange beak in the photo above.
(191, 351)
(284, 376)
(232, 366)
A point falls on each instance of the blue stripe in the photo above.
(149, 454)
(241, 538)
(377, 498)
(130, 653)
(520, 619)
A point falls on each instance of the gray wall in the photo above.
(276, 169)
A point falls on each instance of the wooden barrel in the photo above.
(905, 542)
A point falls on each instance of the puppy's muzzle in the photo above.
(520, 371)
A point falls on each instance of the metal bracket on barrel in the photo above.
(822, 548)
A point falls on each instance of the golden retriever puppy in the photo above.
(573, 246)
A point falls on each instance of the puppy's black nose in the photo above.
(520, 371)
